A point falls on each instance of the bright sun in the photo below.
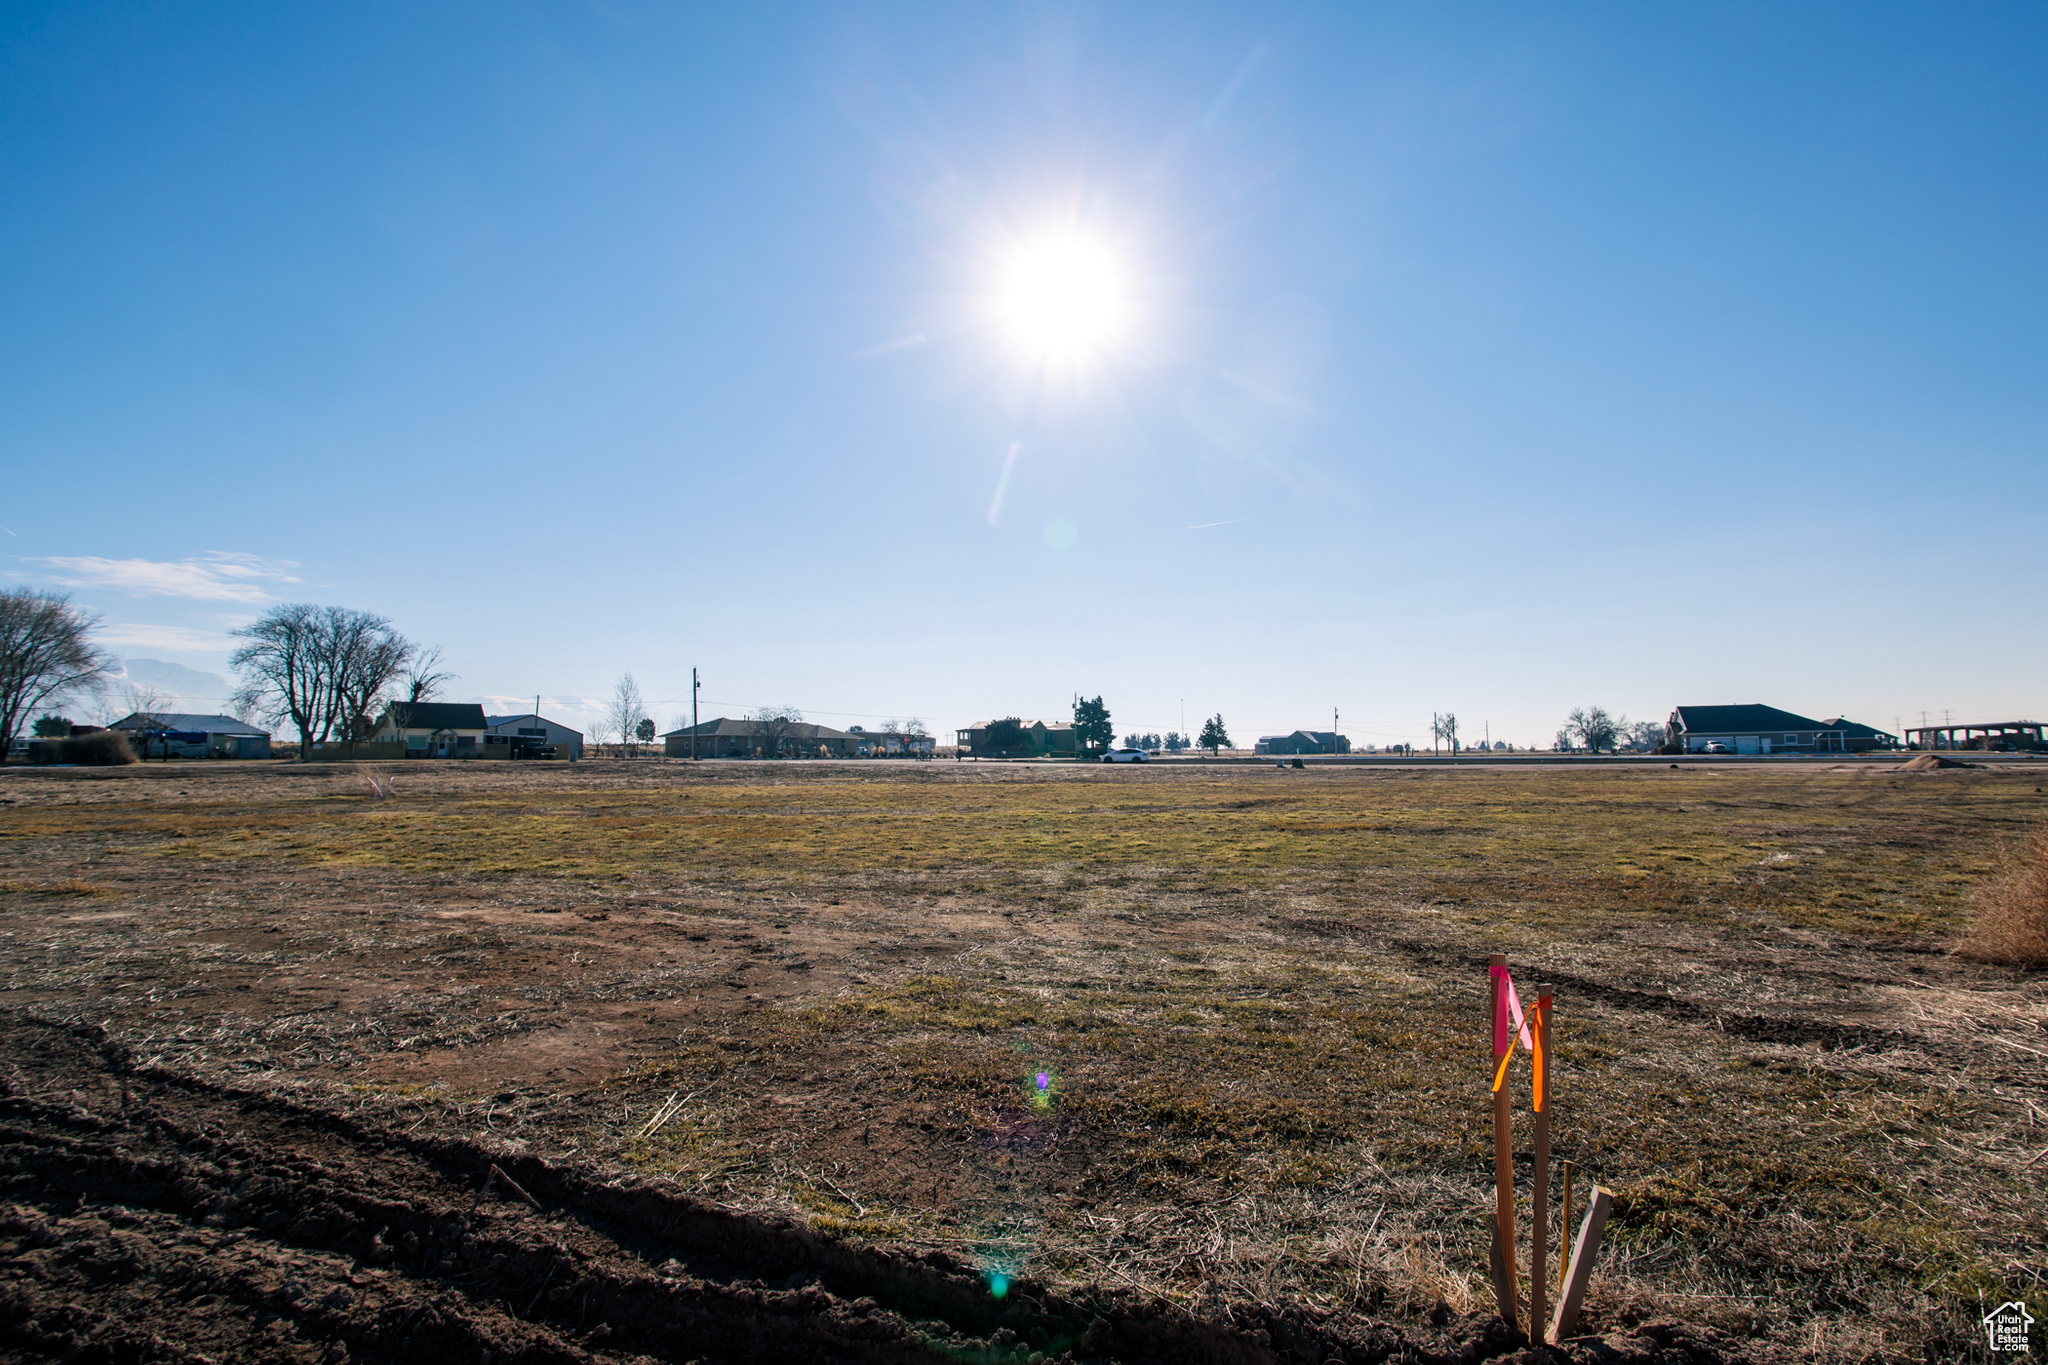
(1063, 299)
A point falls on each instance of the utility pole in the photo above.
(694, 685)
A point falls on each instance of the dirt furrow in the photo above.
(155, 1217)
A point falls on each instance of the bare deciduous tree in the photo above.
(1592, 728)
(322, 669)
(368, 658)
(139, 699)
(46, 652)
(1444, 729)
(904, 736)
(623, 716)
(424, 676)
(280, 672)
(772, 726)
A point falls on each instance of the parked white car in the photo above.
(1123, 756)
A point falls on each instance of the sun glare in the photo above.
(1064, 299)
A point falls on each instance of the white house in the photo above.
(434, 729)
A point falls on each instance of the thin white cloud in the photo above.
(184, 639)
(214, 577)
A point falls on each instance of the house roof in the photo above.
(1857, 728)
(1753, 719)
(439, 715)
(727, 728)
(498, 722)
(186, 722)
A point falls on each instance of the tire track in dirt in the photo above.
(147, 1216)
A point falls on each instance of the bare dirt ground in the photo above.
(647, 1060)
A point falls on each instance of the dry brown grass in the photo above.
(2012, 915)
(1253, 992)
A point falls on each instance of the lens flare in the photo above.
(998, 1284)
(1040, 1089)
(1064, 299)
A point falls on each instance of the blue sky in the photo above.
(1487, 359)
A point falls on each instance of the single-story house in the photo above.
(1303, 742)
(1760, 729)
(184, 734)
(434, 729)
(526, 736)
(1042, 739)
(728, 738)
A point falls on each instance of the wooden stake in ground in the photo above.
(1566, 1173)
(1539, 1198)
(1503, 1151)
(1581, 1268)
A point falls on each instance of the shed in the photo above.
(525, 736)
(185, 734)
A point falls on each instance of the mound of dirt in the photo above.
(151, 1217)
(1927, 763)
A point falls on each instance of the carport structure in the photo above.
(2021, 734)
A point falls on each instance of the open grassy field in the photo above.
(1214, 1034)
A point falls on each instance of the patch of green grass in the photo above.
(1842, 850)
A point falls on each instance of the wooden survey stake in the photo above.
(1503, 1151)
(1566, 1171)
(1580, 1270)
(1575, 1261)
(1539, 1198)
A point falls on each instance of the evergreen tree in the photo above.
(1091, 725)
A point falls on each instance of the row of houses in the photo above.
(438, 730)
(1746, 729)
(462, 730)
